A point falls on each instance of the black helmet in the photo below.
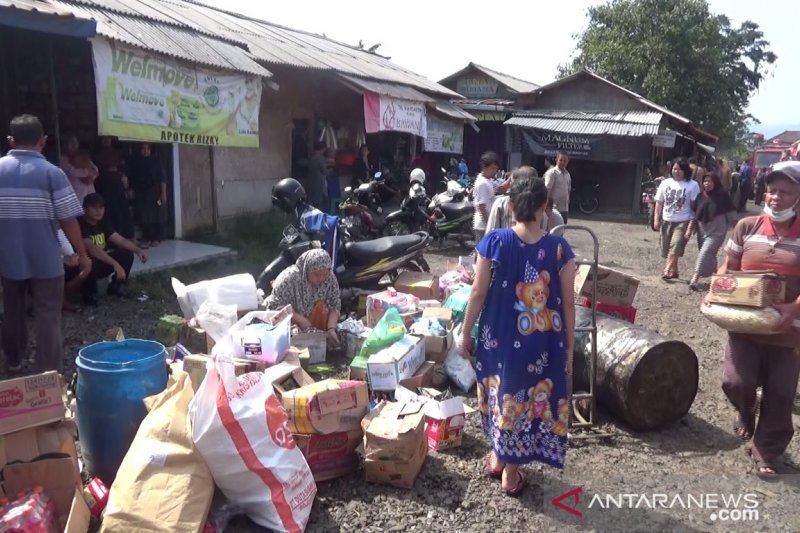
(287, 194)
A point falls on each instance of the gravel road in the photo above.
(698, 456)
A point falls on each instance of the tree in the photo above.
(681, 56)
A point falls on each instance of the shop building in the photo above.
(610, 133)
(308, 88)
(491, 97)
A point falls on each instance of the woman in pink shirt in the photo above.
(80, 174)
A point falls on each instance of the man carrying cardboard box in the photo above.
(769, 242)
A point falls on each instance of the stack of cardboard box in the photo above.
(37, 446)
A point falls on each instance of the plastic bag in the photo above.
(239, 290)
(389, 329)
(216, 319)
(458, 302)
(253, 458)
(459, 369)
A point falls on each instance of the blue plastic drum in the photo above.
(113, 379)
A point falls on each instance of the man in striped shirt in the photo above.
(769, 242)
(35, 200)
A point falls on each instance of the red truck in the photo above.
(766, 155)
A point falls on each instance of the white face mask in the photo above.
(779, 216)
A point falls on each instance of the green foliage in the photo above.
(678, 54)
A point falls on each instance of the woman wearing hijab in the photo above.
(312, 290)
(714, 214)
(149, 185)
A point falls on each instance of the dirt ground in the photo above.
(697, 457)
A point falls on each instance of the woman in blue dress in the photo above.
(523, 292)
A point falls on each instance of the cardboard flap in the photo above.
(57, 477)
(445, 409)
(442, 313)
(392, 423)
(285, 377)
(80, 517)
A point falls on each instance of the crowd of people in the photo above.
(65, 228)
(523, 270)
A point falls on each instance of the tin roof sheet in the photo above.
(451, 110)
(267, 42)
(179, 41)
(622, 123)
(389, 89)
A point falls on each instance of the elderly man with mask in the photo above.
(770, 241)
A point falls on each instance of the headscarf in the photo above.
(717, 202)
(292, 287)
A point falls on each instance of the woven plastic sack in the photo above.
(738, 319)
(241, 430)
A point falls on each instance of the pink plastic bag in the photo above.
(241, 430)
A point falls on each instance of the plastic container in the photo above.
(113, 379)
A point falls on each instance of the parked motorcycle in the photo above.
(584, 195)
(356, 264)
(361, 212)
(443, 217)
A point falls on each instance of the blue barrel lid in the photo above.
(119, 355)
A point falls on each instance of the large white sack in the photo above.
(239, 290)
(241, 430)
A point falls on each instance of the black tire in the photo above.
(468, 243)
(396, 228)
(423, 264)
(588, 204)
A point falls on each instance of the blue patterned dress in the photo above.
(521, 356)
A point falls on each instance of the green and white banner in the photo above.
(446, 136)
(141, 95)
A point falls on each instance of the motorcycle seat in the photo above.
(367, 252)
(454, 210)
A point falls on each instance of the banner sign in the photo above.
(149, 97)
(445, 136)
(384, 113)
(549, 143)
(476, 86)
(665, 139)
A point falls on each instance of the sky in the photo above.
(437, 38)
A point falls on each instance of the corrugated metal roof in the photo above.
(453, 111)
(270, 43)
(484, 101)
(622, 123)
(37, 6)
(516, 84)
(182, 42)
(389, 89)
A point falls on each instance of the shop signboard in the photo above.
(444, 136)
(149, 97)
(476, 86)
(384, 113)
(665, 139)
(549, 143)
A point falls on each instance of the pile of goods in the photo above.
(222, 416)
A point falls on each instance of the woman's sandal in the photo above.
(764, 469)
(742, 430)
(522, 482)
(487, 462)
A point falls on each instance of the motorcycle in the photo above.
(443, 217)
(648, 202)
(360, 265)
(360, 212)
(585, 197)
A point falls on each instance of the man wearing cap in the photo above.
(770, 241)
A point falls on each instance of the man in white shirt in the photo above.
(483, 194)
(559, 184)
